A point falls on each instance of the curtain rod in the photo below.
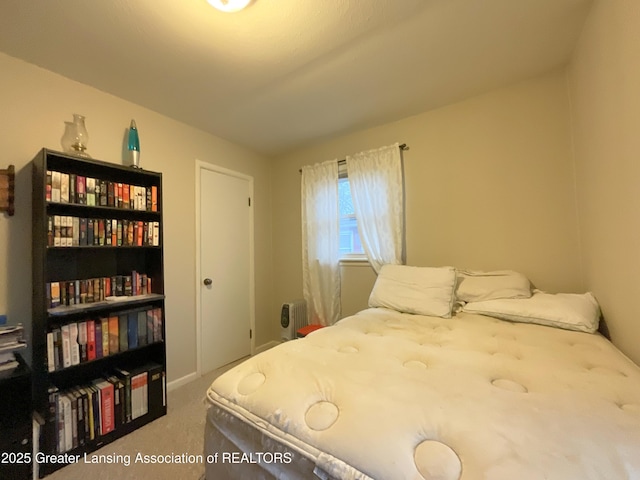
(402, 146)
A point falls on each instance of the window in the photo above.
(350, 246)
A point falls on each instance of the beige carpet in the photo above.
(179, 432)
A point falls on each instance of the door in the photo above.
(226, 268)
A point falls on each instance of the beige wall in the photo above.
(489, 185)
(604, 77)
(35, 103)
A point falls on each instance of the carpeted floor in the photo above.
(180, 432)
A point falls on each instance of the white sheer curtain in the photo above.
(377, 191)
(320, 242)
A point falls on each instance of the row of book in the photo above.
(83, 414)
(69, 231)
(76, 292)
(79, 342)
(72, 188)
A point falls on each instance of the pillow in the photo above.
(420, 290)
(570, 311)
(480, 286)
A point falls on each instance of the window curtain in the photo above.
(320, 242)
(377, 191)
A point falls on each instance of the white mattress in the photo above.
(386, 395)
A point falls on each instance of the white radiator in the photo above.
(292, 317)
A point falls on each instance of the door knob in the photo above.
(207, 281)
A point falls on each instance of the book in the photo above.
(83, 238)
(74, 418)
(150, 336)
(125, 378)
(111, 189)
(91, 414)
(123, 332)
(82, 341)
(91, 340)
(68, 422)
(118, 400)
(157, 397)
(55, 186)
(114, 337)
(157, 324)
(64, 188)
(90, 231)
(156, 234)
(132, 326)
(81, 395)
(51, 364)
(57, 348)
(125, 196)
(107, 232)
(114, 232)
(75, 346)
(91, 191)
(139, 233)
(75, 232)
(139, 394)
(50, 428)
(101, 232)
(50, 231)
(107, 423)
(66, 346)
(105, 336)
(81, 189)
(98, 338)
(104, 194)
(57, 231)
(47, 195)
(72, 188)
(154, 198)
(142, 328)
(55, 294)
(96, 231)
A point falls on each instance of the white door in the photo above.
(225, 268)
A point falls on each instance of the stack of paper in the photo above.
(11, 340)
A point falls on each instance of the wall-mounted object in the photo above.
(7, 185)
(75, 137)
(133, 145)
(229, 5)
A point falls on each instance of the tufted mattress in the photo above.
(386, 395)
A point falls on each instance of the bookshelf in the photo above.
(98, 329)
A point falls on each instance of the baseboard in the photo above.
(181, 381)
(266, 346)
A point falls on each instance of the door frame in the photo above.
(200, 166)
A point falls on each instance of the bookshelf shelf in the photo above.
(80, 288)
(100, 362)
(115, 303)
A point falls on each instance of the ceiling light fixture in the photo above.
(229, 5)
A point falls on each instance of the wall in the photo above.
(489, 185)
(35, 103)
(603, 83)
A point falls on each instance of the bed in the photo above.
(395, 393)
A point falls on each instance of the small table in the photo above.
(15, 422)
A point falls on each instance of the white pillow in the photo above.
(479, 286)
(420, 290)
(563, 310)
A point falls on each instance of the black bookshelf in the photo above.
(66, 264)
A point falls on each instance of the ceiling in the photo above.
(287, 73)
